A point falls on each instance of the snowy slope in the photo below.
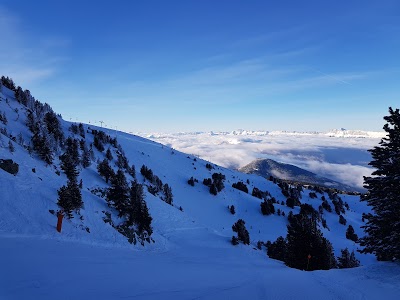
(191, 258)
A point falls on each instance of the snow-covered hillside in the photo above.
(191, 256)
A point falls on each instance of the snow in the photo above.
(191, 258)
(49, 269)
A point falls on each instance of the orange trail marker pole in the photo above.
(308, 260)
(59, 220)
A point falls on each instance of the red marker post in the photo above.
(308, 260)
(60, 216)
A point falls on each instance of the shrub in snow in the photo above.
(234, 240)
(191, 181)
(260, 244)
(207, 181)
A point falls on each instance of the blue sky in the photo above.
(207, 65)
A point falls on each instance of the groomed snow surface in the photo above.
(192, 257)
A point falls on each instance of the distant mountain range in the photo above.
(269, 167)
(339, 133)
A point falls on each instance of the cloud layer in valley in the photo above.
(339, 155)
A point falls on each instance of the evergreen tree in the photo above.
(240, 186)
(70, 198)
(109, 154)
(117, 194)
(72, 150)
(98, 143)
(105, 170)
(342, 220)
(278, 249)
(243, 234)
(267, 207)
(168, 194)
(350, 234)
(218, 179)
(81, 130)
(122, 160)
(68, 165)
(383, 226)
(44, 147)
(347, 260)
(86, 156)
(3, 118)
(54, 127)
(290, 202)
(137, 210)
(304, 239)
(213, 190)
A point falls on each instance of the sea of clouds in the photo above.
(340, 155)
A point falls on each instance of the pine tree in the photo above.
(347, 260)
(278, 249)
(383, 226)
(68, 166)
(54, 127)
(72, 149)
(168, 194)
(243, 234)
(117, 194)
(137, 211)
(105, 170)
(350, 234)
(267, 207)
(213, 190)
(109, 154)
(70, 198)
(304, 239)
(86, 159)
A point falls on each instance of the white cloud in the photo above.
(341, 159)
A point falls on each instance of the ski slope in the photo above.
(191, 258)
